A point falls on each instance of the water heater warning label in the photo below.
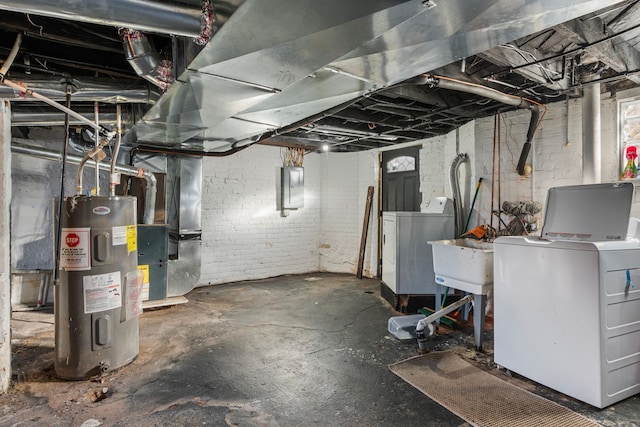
(74, 249)
(102, 292)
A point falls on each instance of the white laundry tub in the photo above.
(464, 264)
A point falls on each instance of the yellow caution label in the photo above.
(144, 269)
(145, 272)
(132, 238)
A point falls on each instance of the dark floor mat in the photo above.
(479, 397)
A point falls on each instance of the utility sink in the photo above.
(464, 264)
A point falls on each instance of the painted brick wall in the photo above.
(346, 177)
(437, 155)
(244, 235)
(556, 155)
(434, 171)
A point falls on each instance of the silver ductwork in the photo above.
(145, 61)
(185, 221)
(18, 147)
(149, 15)
(183, 198)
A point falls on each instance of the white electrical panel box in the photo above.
(292, 187)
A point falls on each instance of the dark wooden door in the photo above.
(401, 180)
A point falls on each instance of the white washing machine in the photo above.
(567, 304)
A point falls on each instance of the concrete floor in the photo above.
(288, 351)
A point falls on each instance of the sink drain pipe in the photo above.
(425, 328)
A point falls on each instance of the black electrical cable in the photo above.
(56, 274)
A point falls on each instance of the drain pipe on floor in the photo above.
(426, 325)
(490, 93)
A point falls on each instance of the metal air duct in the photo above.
(149, 15)
(145, 61)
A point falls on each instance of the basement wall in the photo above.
(244, 235)
(346, 178)
(556, 156)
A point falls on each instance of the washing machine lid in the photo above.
(593, 212)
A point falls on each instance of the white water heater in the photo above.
(98, 297)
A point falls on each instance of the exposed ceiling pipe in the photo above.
(184, 152)
(490, 93)
(44, 118)
(104, 132)
(85, 90)
(145, 61)
(18, 147)
(149, 15)
(113, 176)
(12, 56)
